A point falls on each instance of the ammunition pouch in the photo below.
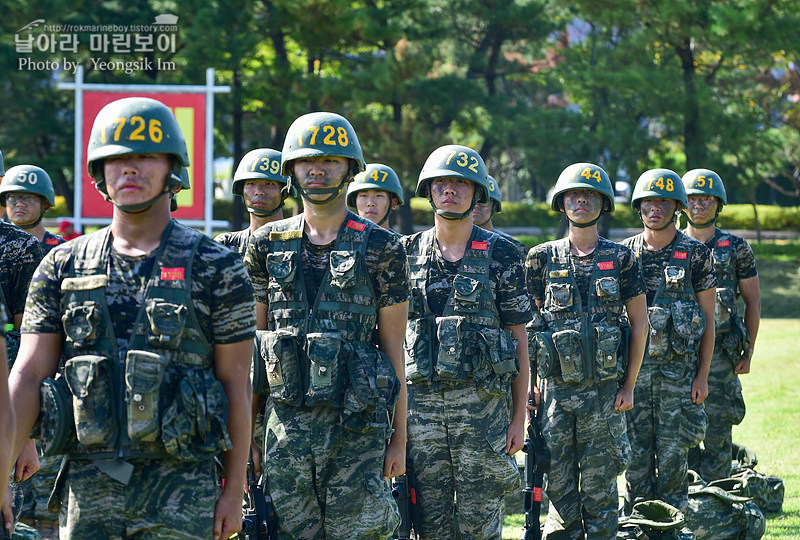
(372, 392)
(89, 378)
(570, 355)
(167, 321)
(658, 344)
(607, 288)
(418, 349)
(326, 369)
(144, 375)
(607, 340)
(497, 360)
(282, 353)
(343, 269)
(725, 309)
(451, 362)
(688, 323)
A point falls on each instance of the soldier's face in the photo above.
(452, 194)
(23, 208)
(320, 172)
(262, 194)
(582, 205)
(657, 212)
(374, 203)
(702, 208)
(482, 213)
(136, 178)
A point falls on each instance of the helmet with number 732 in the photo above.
(136, 125)
(659, 184)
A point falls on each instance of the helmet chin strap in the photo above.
(670, 222)
(138, 207)
(587, 224)
(333, 192)
(454, 216)
(487, 220)
(709, 223)
(28, 226)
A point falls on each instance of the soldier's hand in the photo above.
(255, 453)
(27, 462)
(515, 438)
(624, 400)
(227, 515)
(7, 515)
(699, 390)
(743, 366)
(394, 460)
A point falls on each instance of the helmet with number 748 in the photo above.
(659, 184)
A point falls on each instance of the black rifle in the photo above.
(258, 522)
(404, 491)
(537, 460)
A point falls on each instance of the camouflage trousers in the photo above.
(326, 481)
(725, 408)
(164, 499)
(662, 426)
(589, 448)
(38, 487)
(456, 437)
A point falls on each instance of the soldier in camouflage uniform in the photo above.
(27, 193)
(7, 422)
(375, 193)
(735, 268)
(262, 187)
(149, 325)
(466, 350)
(673, 383)
(484, 212)
(32, 188)
(324, 280)
(584, 286)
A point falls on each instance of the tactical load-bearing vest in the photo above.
(467, 341)
(677, 321)
(163, 400)
(577, 345)
(323, 354)
(731, 331)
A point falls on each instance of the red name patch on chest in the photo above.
(483, 246)
(51, 241)
(606, 265)
(172, 274)
(356, 225)
(680, 254)
(724, 243)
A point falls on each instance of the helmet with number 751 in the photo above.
(705, 182)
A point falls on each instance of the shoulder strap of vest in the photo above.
(354, 233)
(286, 234)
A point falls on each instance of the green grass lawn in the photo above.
(772, 390)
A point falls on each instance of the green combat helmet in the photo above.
(320, 134)
(136, 125)
(657, 519)
(376, 176)
(29, 179)
(586, 176)
(260, 164)
(185, 183)
(705, 182)
(659, 184)
(454, 161)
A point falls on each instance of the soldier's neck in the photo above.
(702, 235)
(488, 226)
(258, 222)
(656, 240)
(140, 233)
(323, 221)
(452, 236)
(583, 241)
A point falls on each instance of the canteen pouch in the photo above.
(607, 289)
(167, 321)
(570, 357)
(497, 360)
(658, 344)
(607, 341)
(466, 293)
(561, 296)
(343, 269)
(55, 427)
(547, 362)
(673, 278)
(89, 378)
(144, 373)
(282, 266)
(280, 349)
(372, 392)
(195, 424)
(81, 322)
(688, 323)
(724, 309)
(451, 363)
(418, 350)
(326, 375)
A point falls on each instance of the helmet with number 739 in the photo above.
(136, 125)
(659, 184)
(258, 164)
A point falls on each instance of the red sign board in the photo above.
(189, 110)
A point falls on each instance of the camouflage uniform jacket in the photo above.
(50, 240)
(677, 321)
(157, 397)
(236, 241)
(468, 339)
(584, 338)
(321, 351)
